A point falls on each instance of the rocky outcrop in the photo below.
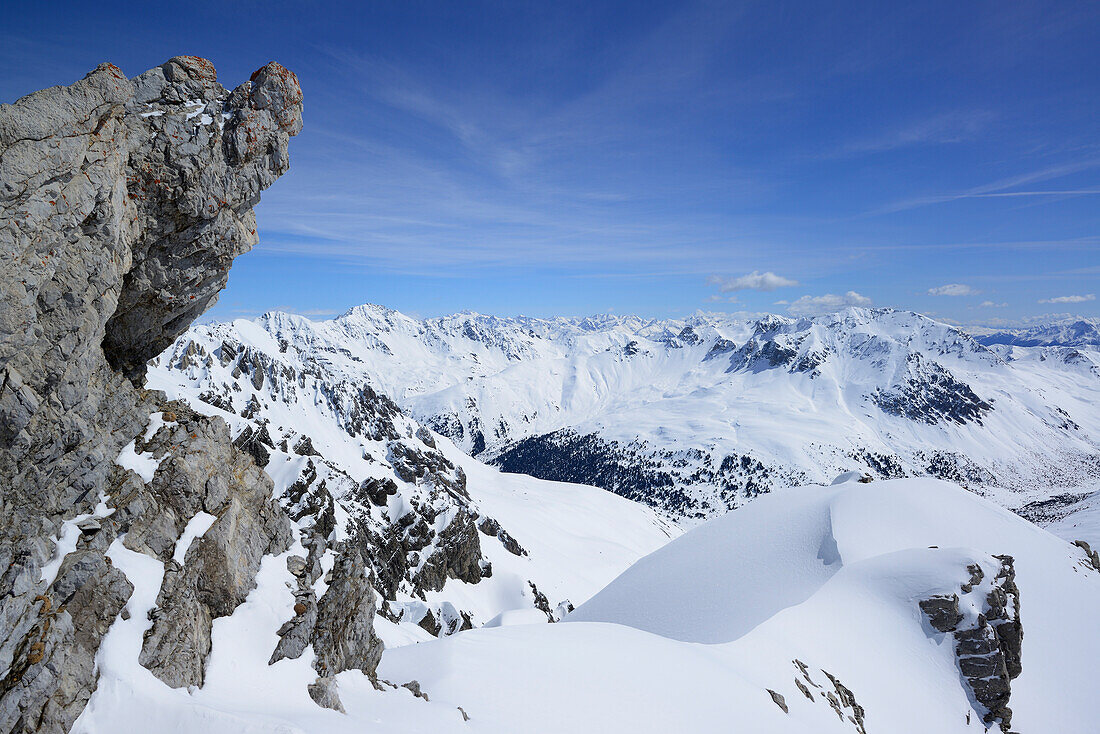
(122, 205)
(199, 471)
(340, 626)
(841, 699)
(344, 637)
(408, 512)
(988, 643)
(193, 179)
(1092, 556)
(927, 392)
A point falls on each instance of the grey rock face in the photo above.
(987, 649)
(344, 637)
(200, 470)
(120, 213)
(1093, 556)
(193, 179)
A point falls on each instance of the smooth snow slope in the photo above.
(855, 559)
(829, 577)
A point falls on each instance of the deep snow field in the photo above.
(690, 638)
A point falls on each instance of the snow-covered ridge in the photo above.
(810, 610)
(1072, 332)
(450, 543)
(697, 415)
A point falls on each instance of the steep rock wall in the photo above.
(122, 205)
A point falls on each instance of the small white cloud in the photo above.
(810, 305)
(754, 281)
(991, 304)
(953, 289)
(1069, 299)
(719, 298)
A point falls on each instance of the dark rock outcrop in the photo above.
(929, 393)
(122, 205)
(988, 647)
(492, 528)
(1093, 556)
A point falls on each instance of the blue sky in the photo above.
(656, 158)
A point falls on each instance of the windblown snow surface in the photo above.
(799, 586)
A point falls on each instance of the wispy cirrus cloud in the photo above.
(953, 289)
(949, 127)
(1069, 299)
(1001, 187)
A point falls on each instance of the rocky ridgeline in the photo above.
(412, 519)
(122, 205)
(985, 624)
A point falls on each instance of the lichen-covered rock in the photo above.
(122, 205)
(55, 659)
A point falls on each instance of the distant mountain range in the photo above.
(1066, 333)
(695, 416)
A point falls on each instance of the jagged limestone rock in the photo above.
(201, 471)
(344, 638)
(200, 173)
(120, 213)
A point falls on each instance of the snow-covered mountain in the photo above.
(450, 542)
(257, 549)
(905, 606)
(697, 415)
(1074, 332)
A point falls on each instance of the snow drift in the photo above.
(800, 612)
